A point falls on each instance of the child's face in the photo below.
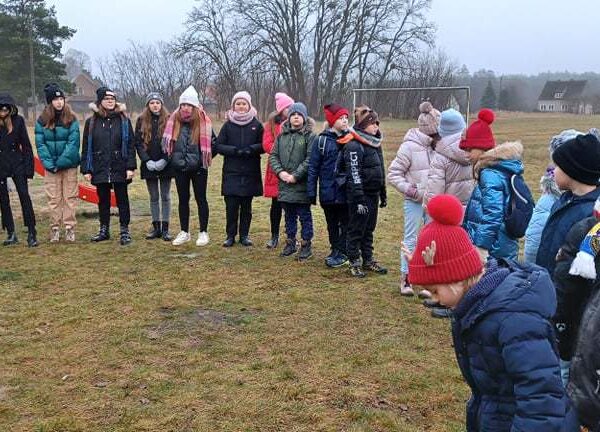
(58, 103)
(448, 295)
(562, 180)
(296, 121)
(372, 129)
(474, 154)
(155, 106)
(240, 106)
(341, 124)
(109, 103)
(186, 109)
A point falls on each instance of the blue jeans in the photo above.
(293, 212)
(414, 217)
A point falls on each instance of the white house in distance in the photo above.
(564, 97)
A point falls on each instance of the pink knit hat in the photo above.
(282, 101)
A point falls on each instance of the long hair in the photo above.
(7, 123)
(274, 119)
(194, 125)
(146, 124)
(48, 116)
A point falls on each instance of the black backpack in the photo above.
(520, 205)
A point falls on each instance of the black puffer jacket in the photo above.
(152, 151)
(186, 155)
(106, 154)
(364, 168)
(572, 292)
(241, 173)
(16, 154)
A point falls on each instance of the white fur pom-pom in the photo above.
(583, 265)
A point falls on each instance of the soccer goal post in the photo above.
(403, 102)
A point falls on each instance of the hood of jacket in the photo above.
(309, 126)
(509, 155)
(120, 108)
(448, 147)
(416, 136)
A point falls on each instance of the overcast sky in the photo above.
(507, 36)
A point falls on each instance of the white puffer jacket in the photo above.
(408, 171)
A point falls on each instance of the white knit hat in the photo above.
(190, 96)
(241, 95)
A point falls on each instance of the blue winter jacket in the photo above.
(58, 148)
(322, 170)
(484, 216)
(565, 213)
(504, 344)
(533, 235)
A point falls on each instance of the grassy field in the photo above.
(152, 337)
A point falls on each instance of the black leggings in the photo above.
(122, 196)
(238, 209)
(8, 222)
(199, 181)
(275, 216)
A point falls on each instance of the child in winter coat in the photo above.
(502, 334)
(577, 172)
(408, 173)
(492, 166)
(365, 190)
(272, 129)
(323, 170)
(108, 156)
(16, 162)
(57, 142)
(188, 140)
(155, 168)
(289, 161)
(240, 142)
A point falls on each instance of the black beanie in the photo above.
(102, 92)
(579, 158)
(53, 91)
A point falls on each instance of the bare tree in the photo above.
(76, 62)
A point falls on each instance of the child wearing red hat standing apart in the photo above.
(502, 331)
(492, 167)
(322, 170)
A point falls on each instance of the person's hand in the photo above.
(483, 254)
(88, 177)
(412, 192)
(383, 202)
(160, 164)
(292, 179)
(246, 152)
(151, 165)
(129, 174)
(362, 209)
(285, 176)
(408, 254)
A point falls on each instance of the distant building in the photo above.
(84, 92)
(565, 97)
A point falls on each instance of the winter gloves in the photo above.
(243, 152)
(362, 209)
(158, 165)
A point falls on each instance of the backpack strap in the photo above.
(322, 143)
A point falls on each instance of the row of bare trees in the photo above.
(316, 50)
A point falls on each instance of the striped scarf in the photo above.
(205, 140)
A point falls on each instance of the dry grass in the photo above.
(157, 338)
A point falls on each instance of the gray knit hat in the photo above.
(154, 96)
(298, 108)
(557, 140)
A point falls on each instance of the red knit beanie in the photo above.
(479, 135)
(454, 257)
(333, 112)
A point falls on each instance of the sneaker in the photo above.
(272, 244)
(290, 248)
(229, 241)
(356, 270)
(424, 294)
(54, 235)
(338, 260)
(405, 288)
(305, 250)
(245, 241)
(125, 236)
(182, 237)
(441, 312)
(203, 239)
(70, 235)
(330, 257)
(375, 267)
(431, 303)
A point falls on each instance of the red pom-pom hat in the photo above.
(479, 135)
(455, 258)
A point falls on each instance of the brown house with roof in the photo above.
(84, 92)
(565, 97)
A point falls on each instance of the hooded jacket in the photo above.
(322, 170)
(108, 146)
(16, 154)
(58, 148)
(450, 171)
(484, 216)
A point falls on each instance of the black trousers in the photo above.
(336, 216)
(8, 222)
(361, 228)
(238, 208)
(199, 181)
(275, 217)
(122, 196)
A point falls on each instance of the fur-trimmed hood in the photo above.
(503, 152)
(120, 108)
(418, 137)
(309, 126)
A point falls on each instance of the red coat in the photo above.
(271, 188)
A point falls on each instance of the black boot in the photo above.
(290, 248)
(165, 232)
(272, 244)
(245, 241)
(125, 236)
(32, 238)
(103, 234)
(11, 239)
(229, 241)
(305, 250)
(155, 233)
